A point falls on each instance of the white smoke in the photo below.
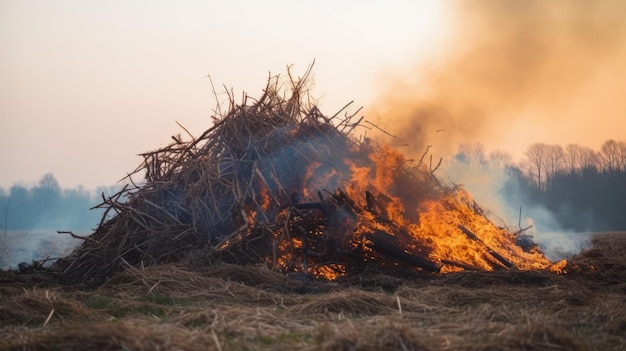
(496, 191)
(21, 246)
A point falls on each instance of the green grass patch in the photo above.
(100, 302)
(282, 338)
(148, 310)
(164, 299)
(153, 304)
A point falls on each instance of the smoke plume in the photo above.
(513, 72)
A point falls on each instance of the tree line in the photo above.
(583, 187)
(45, 206)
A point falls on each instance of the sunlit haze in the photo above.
(515, 73)
(86, 86)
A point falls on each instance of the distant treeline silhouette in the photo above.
(584, 189)
(46, 206)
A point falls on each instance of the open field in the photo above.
(228, 307)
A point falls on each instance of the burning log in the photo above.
(492, 252)
(371, 203)
(385, 244)
(463, 266)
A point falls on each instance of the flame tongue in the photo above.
(368, 223)
(330, 238)
(458, 233)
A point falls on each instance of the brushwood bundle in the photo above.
(275, 181)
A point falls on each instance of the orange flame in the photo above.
(265, 198)
(439, 229)
(449, 231)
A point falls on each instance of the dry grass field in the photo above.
(231, 307)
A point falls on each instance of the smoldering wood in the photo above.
(371, 202)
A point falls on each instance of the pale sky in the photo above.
(86, 86)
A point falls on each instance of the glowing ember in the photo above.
(265, 198)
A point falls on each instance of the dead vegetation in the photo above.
(179, 306)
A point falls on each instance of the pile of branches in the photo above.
(231, 182)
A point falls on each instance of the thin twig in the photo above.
(382, 130)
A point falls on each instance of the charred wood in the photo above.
(491, 251)
(466, 267)
(313, 206)
(371, 203)
(385, 244)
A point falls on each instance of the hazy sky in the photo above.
(85, 86)
(515, 72)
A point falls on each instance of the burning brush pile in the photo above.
(275, 181)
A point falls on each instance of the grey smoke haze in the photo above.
(17, 247)
(30, 217)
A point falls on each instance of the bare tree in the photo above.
(613, 156)
(572, 158)
(544, 161)
(535, 163)
(589, 158)
(500, 159)
(473, 155)
(621, 158)
(553, 161)
(49, 182)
